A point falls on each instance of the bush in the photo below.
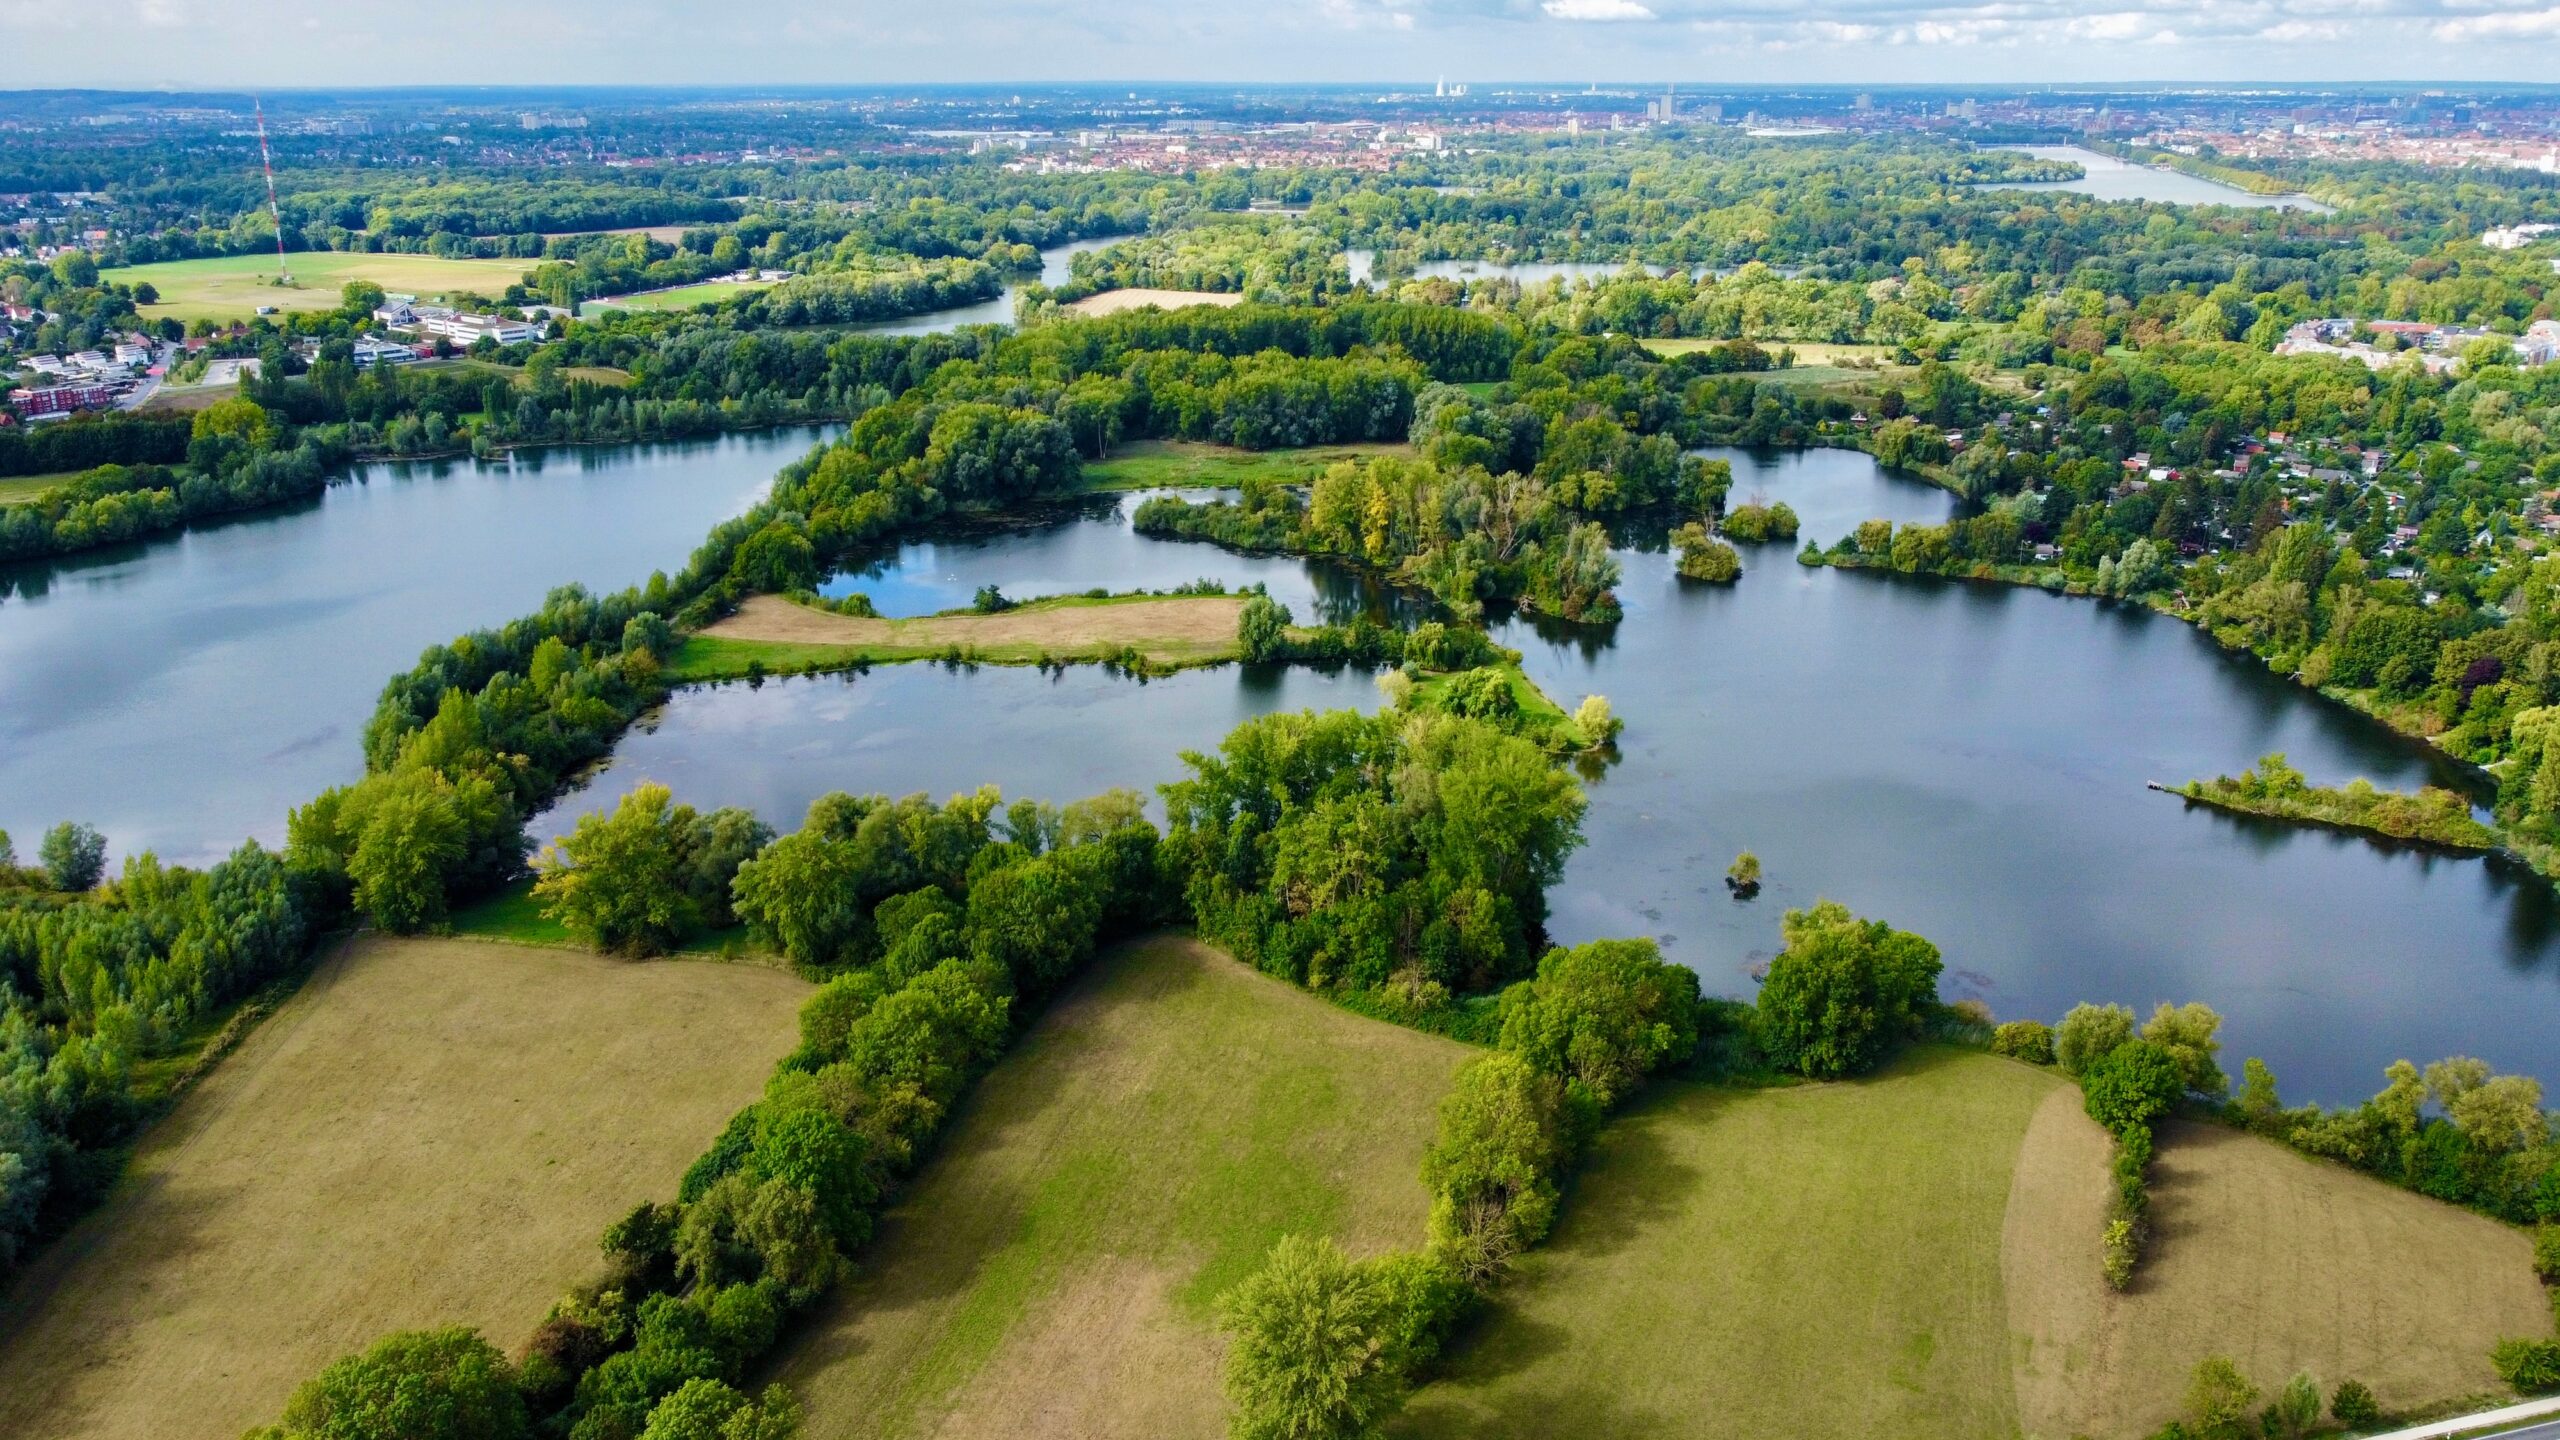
(2028, 1040)
(2546, 1254)
(2294, 1411)
(1492, 1168)
(2353, 1405)
(2123, 1252)
(2531, 1366)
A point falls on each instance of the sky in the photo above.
(144, 44)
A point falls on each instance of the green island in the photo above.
(2278, 791)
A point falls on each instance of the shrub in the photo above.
(1491, 1169)
(2089, 1032)
(2294, 1411)
(2028, 1040)
(2353, 1405)
(2531, 1366)
(1603, 1015)
(2546, 1254)
(2123, 1251)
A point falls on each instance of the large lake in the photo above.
(1964, 761)
(2109, 178)
(183, 693)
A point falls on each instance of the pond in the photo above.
(183, 693)
(1965, 761)
(2109, 178)
(999, 311)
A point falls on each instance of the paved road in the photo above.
(2547, 1430)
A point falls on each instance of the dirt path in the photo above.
(1190, 621)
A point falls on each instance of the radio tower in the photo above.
(267, 162)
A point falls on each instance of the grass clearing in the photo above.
(430, 1132)
(19, 489)
(232, 287)
(785, 636)
(1054, 1272)
(1808, 352)
(1916, 1256)
(1152, 464)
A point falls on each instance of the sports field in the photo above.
(1054, 1272)
(430, 1132)
(232, 287)
(1916, 1256)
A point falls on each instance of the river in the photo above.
(184, 692)
(2109, 178)
(1966, 761)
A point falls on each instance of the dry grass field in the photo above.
(1172, 630)
(1916, 1256)
(1053, 1273)
(1112, 302)
(2277, 1261)
(430, 1132)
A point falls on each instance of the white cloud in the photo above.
(2525, 24)
(1596, 10)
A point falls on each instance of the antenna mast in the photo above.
(266, 161)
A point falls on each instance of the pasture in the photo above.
(430, 1132)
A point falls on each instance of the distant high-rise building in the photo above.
(1863, 102)
(1440, 91)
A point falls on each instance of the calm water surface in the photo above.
(2109, 178)
(1964, 761)
(184, 693)
(999, 311)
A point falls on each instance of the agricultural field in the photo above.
(430, 1132)
(1149, 464)
(232, 287)
(1054, 1272)
(1917, 1256)
(781, 635)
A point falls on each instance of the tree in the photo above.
(1742, 877)
(619, 880)
(2188, 1033)
(1307, 1349)
(73, 856)
(2218, 1401)
(1704, 557)
(2088, 1033)
(1598, 724)
(414, 835)
(1491, 1167)
(2294, 1410)
(1262, 629)
(2133, 1085)
(803, 895)
(76, 268)
(1603, 1015)
(360, 297)
(415, 1385)
(1843, 991)
(705, 1409)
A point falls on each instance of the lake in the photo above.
(1965, 761)
(2109, 178)
(999, 311)
(183, 693)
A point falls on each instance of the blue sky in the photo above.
(146, 43)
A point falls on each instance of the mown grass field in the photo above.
(429, 1132)
(681, 297)
(1917, 1256)
(1054, 1272)
(1148, 464)
(232, 287)
(782, 636)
